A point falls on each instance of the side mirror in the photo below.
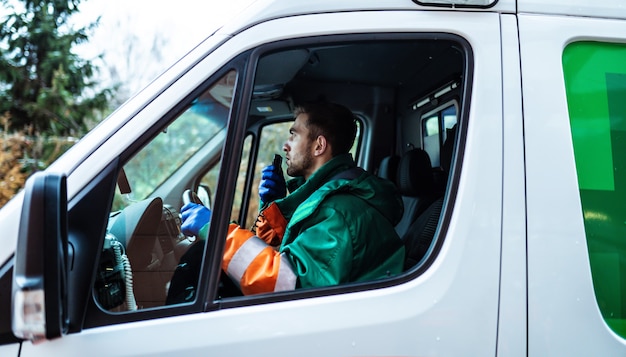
(39, 305)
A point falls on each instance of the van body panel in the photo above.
(263, 10)
(563, 315)
(9, 224)
(10, 350)
(615, 9)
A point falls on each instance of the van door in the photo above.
(445, 305)
(574, 77)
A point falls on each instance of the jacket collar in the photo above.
(302, 189)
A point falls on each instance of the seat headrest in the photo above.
(388, 168)
(415, 176)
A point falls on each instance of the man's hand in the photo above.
(272, 186)
(195, 216)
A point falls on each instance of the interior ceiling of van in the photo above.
(409, 65)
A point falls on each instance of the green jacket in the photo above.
(341, 230)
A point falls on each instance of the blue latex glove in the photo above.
(272, 185)
(195, 216)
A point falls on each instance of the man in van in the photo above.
(336, 226)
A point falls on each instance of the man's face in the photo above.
(299, 149)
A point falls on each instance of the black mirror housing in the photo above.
(39, 299)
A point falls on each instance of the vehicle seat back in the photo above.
(416, 185)
(388, 168)
(420, 234)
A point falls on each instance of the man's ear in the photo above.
(321, 146)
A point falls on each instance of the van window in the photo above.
(435, 127)
(143, 243)
(595, 81)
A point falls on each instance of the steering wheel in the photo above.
(185, 279)
(191, 196)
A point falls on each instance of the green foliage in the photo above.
(43, 84)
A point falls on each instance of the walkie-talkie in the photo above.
(277, 163)
(278, 170)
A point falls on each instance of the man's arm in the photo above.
(322, 251)
(248, 260)
(255, 265)
(320, 255)
(270, 225)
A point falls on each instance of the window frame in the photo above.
(95, 316)
(245, 65)
(463, 106)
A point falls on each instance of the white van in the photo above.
(520, 106)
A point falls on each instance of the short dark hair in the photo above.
(334, 121)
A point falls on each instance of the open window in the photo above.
(380, 81)
(205, 146)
